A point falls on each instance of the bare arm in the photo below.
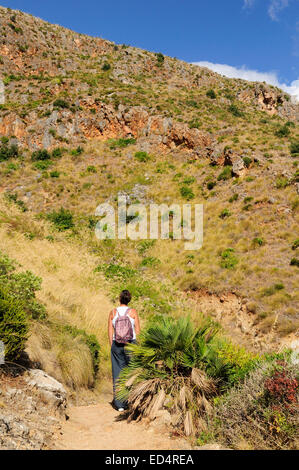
(137, 322)
(110, 327)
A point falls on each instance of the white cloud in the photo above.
(248, 3)
(252, 76)
(275, 7)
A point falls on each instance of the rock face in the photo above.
(2, 92)
(104, 123)
(28, 410)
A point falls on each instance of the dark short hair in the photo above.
(125, 297)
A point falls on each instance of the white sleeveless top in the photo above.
(120, 311)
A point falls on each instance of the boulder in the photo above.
(52, 391)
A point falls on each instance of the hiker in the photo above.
(123, 327)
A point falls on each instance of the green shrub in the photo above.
(120, 143)
(60, 103)
(14, 327)
(55, 174)
(43, 165)
(211, 94)
(40, 155)
(226, 174)
(294, 147)
(224, 213)
(211, 185)
(142, 156)
(91, 169)
(57, 153)
(160, 59)
(282, 182)
(228, 259)
(21, 288)
(8, 151)
(150, 261)
(106, 66)
(258, 241)
(234, 198)
(187, 193)
(62, 219)
(294, 262)
(13, 197)
(194, 124)
(78, 151)
(268, 291)
(116, 271)
(247, 161)
(283, 131)
(295, 244)
(235, 111)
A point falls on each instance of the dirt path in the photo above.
(98, 427)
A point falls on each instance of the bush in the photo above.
(78, 151)
(63, 219)
(262, 412)
(57, 153)
(13, 197)
(43, 165)
(120, 143)
(225, 213)
(247, 161)
(142, 156)
(228, 259)
(187, 193)
(283, 131)
(150, 261)
(234, 198)
(116, 271)
(294, 147)
(282, 182)
(235, 111)
(258, 241)
(226, 174)
(22, 287)
(294, 262)
(14, 325)
(8, 151)
(160, 59)
(211, 94)
(295, 244)
(60, 103)
(106, 67)
(40, 155)
(211, 185)
(91, 169)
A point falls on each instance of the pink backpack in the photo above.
(123, 328)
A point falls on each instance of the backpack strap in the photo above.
(114, 311)
(127, 311)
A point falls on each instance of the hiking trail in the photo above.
(100, 427)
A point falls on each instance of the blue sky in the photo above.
(253, 39)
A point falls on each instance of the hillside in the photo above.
(227, 143)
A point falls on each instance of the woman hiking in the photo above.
(123, 327)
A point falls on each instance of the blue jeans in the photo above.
(119, 359)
